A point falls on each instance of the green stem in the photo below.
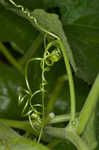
(70, 79)
(59, 119)
(68, 135)
(30, 52)
(55, 132)
(89, 106)
(10, 58)
(24, 125)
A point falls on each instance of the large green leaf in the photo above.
(81, 24)
(85, 45)
(11, 82)
(16, 30)
(10, 140)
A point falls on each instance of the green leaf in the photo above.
(11, 82)
(81, 24)
(10, 140)
(85, 45)
(16, 30)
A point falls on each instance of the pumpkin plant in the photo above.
(54, 67)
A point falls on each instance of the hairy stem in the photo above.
(89, 106)
(10, 58)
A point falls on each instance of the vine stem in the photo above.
(89, 106)
(25, 125)
(10, 58)
(65, 133)
(52, 131)
(69, 72)
(70, 79)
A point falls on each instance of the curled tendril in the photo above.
(28, 13)
(48, 60)
(30, 110)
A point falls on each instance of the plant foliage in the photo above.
(49, 82)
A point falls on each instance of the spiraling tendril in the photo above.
(49, 58)
(28, 13)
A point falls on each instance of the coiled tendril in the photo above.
(49, 58)
(36, 117)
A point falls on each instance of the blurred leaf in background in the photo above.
(11, 82)
(81, 24)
